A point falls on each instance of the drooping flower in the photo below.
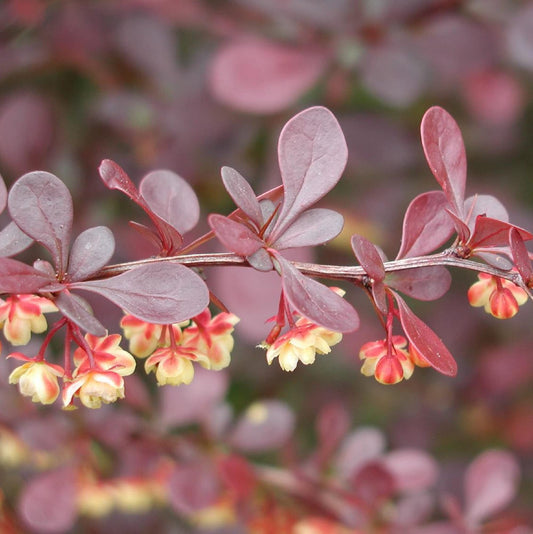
(94, 387)
(36, 379)
(211, 337)
(23, 314)
(387, 360)
(173, 365)
(143, 336)
(301, 344)
(499, 297)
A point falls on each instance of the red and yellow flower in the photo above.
(21, 315)
(94, 387)
(173, 365)
(499, 297)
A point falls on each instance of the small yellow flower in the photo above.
(94, 387)
(173, 365)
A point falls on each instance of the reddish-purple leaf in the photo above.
(521, 256)
(78, 311)
(171, 198)
(148, 233)
(263, 77)
(3, 195)
(48, 503)
(315, 301)
(91, 250)
(115, 177)
(312, 227)
(412, 469)
(264, 426)
(490, 232)
(491, 483)
(234, 235)
(425, 341)
(485, 205)
(445, 153)
(312, 155)
(426, 225)
(161, 293)
(17, 277)
(41, 205)
(332, 423)
(260, 260)
(373, 484)
(369, 257)
(379, 294)
(13, 240)
(422, 283)
(242, 194)
(238, 475)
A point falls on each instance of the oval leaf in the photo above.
(312, 227)
(161, 293)
(234, 235)
(413, 469)
(426, 225)
(13, 240)
(315, 301)
(445, 153)
(491, 483)
(17, 277)
(369, 257)
(115, 177)
(242, 194)
(521, 256)
(78, 311)
(425, 341)
(312, 155)
(91, 250)
(422, 283)
(41, 205)
(171, 198)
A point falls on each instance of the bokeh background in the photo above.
(192, 85)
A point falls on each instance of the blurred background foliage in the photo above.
(192, 85)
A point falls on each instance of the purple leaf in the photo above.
(242, 194)
(425, 341)
(235, 236)
(160, 293)
(490, 232)
(491, 483)
(91, 250)
(264, 426)
(445, 154)
(41, 205)
(171, 198)
(312, 156)
(412, 469)
(426, 225)
(312, 227)
(521, 256)
(369, 257)
(373, 484)
(17, 277)
(114, 177)
(79, 312)
(263, 77)
(260, 260)
(485, 205)
(3, 195)
(315, 301)
(13, 240)
(422, 283)
(48, 503)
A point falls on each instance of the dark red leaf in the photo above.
(41, 205)
(369, 257)
(425, 341)
(242, 194)
(490, 232)
(79, 312)
(91, 250)
(235, 236)
(115, 177)
(445, 153)
(237, 474)
(491, 483)
(312, 155)
(17, 277)
(422, 283)
(315, 301)
(521, 256)
(171, 198)
(161, 293)
(312, 227)
(373, 484)
(13, 240)
(332, 423)
(426, 225)
(48, 503)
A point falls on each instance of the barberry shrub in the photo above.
(174, 321)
